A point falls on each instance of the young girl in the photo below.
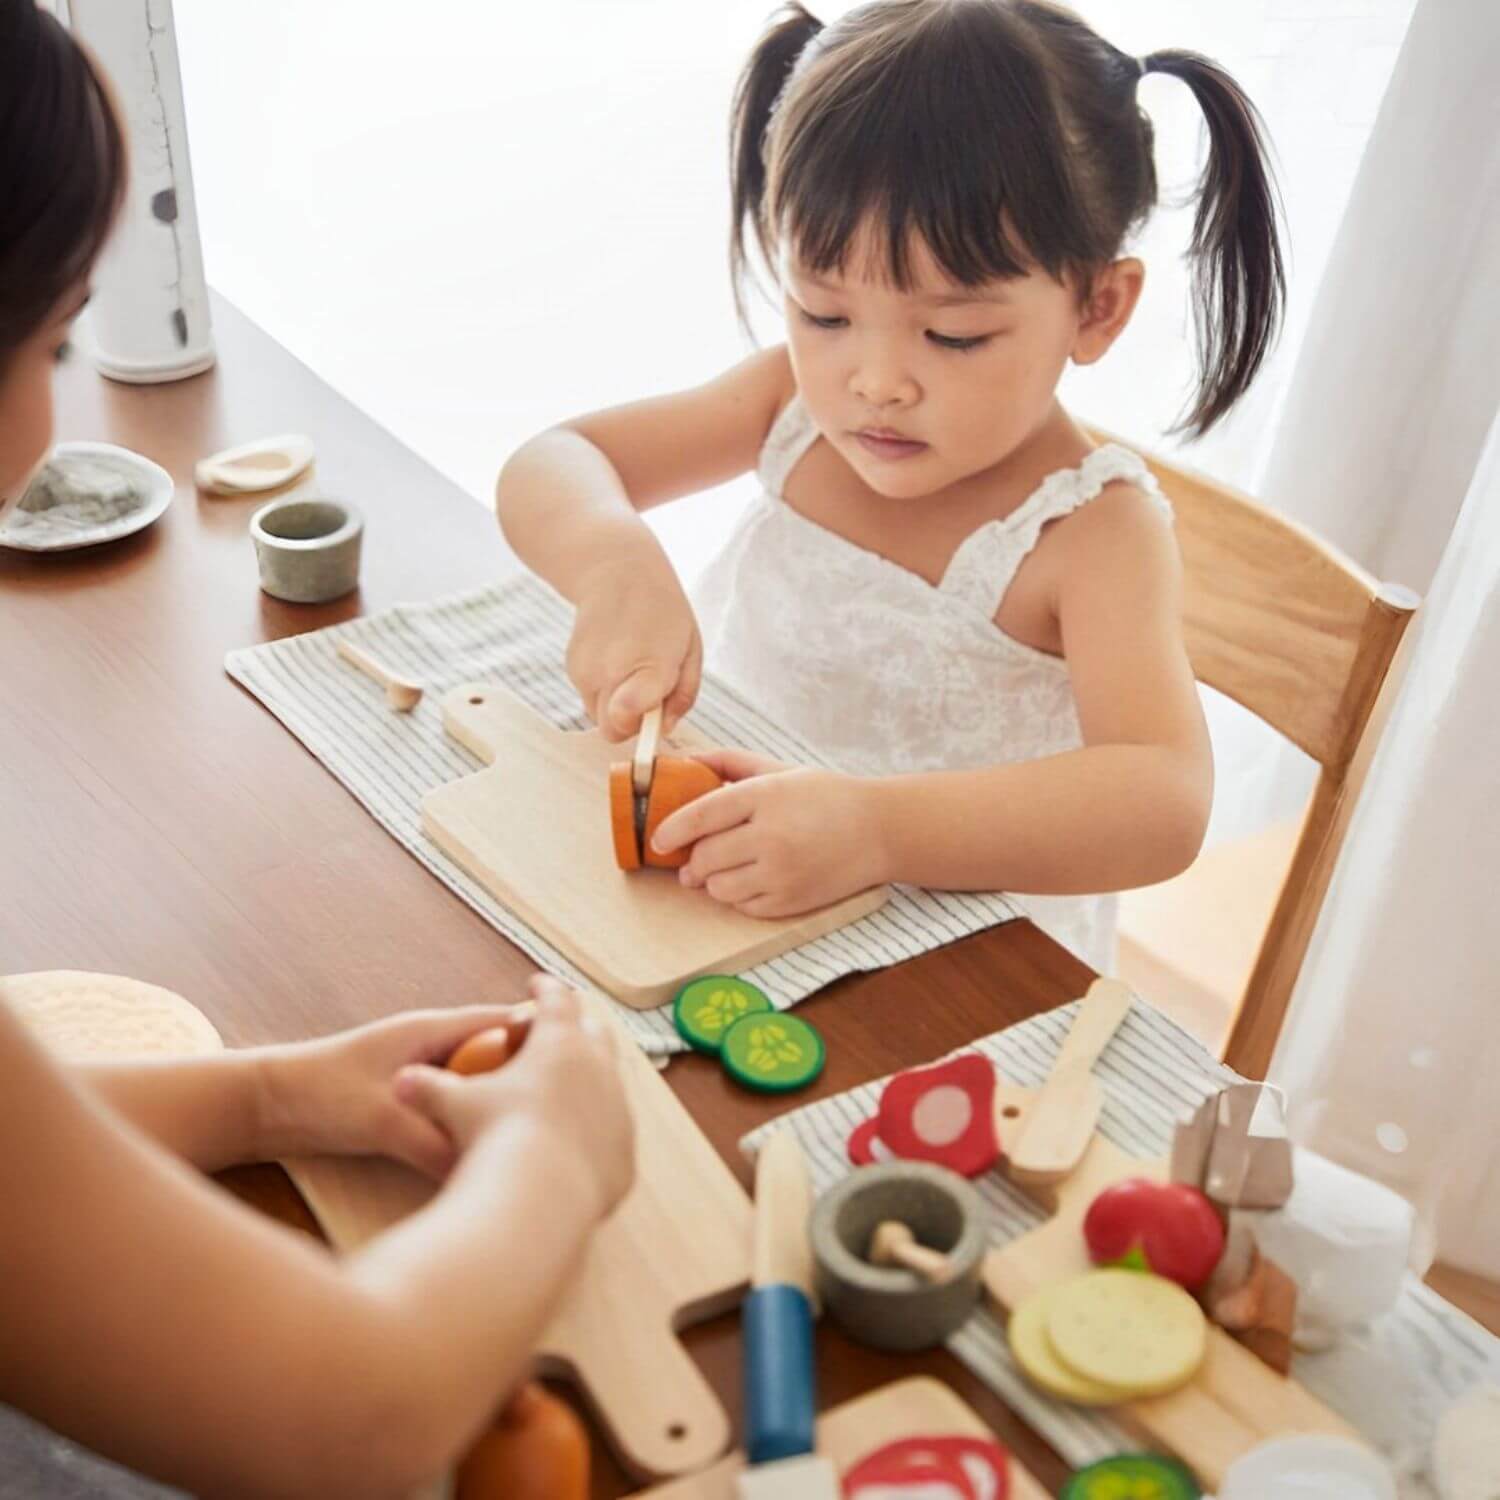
(144, 1311)
(946, 588)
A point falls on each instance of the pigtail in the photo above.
(1239, 286)
(755, 97)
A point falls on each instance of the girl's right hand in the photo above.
(565, 1082)
(635, 645)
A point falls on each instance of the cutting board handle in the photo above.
(662, 1415)
(481, 716)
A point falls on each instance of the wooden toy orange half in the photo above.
(483, 1052)
(536, 1450)
(675, 782)
(622, 827)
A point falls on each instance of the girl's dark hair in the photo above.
(1006, 134)
(62, 168)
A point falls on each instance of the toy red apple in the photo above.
(1165, 1227)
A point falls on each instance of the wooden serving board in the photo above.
(533, 829)
(675, 1251)
(917, 1407)
(1231, 1405)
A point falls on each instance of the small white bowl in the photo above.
(1309, 1467)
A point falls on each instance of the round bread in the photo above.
(80, 1015)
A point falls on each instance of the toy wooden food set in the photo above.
(540, 829)
(1112, 1303)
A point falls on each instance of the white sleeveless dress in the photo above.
(883, 672)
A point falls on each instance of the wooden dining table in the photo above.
(159, 823)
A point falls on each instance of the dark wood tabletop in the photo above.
(159, 823)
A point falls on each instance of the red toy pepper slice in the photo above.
(932, 1468)
(943, 1114)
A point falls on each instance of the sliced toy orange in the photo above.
(675, 782)
(483, 1052)
(622, 824)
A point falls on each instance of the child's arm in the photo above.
(328, 1096)
(1128, 809)
(151, 1316)
(570, 500)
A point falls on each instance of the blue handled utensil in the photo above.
(777, 1323)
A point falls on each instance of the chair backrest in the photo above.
(1285, 624)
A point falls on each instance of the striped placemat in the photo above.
(516, 633)
(1392, 1382)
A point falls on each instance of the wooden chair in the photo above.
(1280, 621)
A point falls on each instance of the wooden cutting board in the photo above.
(1231, 1405)
(677, 1250)
(533, 829)
(917, 1407)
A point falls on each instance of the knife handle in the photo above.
(780, 1392)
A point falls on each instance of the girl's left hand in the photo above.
(777, 840)
(333, 1095)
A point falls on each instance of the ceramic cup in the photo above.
(308, 547)
(889, 1307)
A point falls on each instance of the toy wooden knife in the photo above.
(777, 1320)
(1060, 1120)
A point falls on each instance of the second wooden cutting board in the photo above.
(533, 829)
(676, 1250)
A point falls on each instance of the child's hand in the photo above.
(334, 1095)
(635, 645)
(777, 840)
(564, 1082)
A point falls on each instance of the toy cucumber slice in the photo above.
(706, 1008)
(773, 1053)
(1141, 1476)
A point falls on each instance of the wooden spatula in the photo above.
(1059, 1122)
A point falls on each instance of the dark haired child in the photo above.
(945, 587)
(146, 1313)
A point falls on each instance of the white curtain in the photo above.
(1392, 1046)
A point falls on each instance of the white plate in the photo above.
(75, 524)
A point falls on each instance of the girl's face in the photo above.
(26, 401)
(953, 378)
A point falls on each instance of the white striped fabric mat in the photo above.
(516, 632)
(1392, 1382)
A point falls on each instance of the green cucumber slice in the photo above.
(772, 1053)
(1142, 1476)
(706, 1008)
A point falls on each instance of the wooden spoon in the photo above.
(1060, 1121)
(402, 694)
